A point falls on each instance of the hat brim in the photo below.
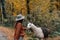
(19, 19)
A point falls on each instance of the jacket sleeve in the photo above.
(17, 31)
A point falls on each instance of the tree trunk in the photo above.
(28, 10)
(3, 8)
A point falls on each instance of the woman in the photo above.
(19, 30)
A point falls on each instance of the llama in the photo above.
(41, 33)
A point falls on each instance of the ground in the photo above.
(3, 36)
(7, 34)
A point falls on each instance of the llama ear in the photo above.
(28, 22)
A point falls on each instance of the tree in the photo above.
(28, 10)
(3, 8)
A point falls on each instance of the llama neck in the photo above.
(34, 28)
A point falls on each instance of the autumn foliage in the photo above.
(43, 13)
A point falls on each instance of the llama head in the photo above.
(29, 25)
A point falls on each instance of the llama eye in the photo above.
(29, 25)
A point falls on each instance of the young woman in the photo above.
(19, 29)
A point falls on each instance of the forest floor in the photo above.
(8, 32)
(3, 36)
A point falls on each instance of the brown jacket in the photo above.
(19, 31)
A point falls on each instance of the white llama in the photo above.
(39, 32)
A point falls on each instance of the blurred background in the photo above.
(43, 13)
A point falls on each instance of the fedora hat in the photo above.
(19, 17)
